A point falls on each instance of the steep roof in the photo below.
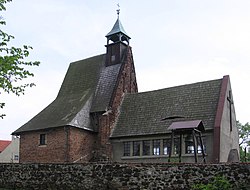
(105, 86)
(117, 28)
(4, 144)
(152, 112)
(74, 101)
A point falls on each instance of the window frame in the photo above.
(136, 148)
(166, 146)
(43, 139)
(156, 147)
(126, 148)
(146, 144)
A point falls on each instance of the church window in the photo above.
(136, 148)
(156, 147)
(16, 157)
(146, 147)
(112, 58)
(166, 146)
(189, 147)
(176, 145)
(126, 148)
(42, 139)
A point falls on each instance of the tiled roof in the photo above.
(4, 144)
(152, 112)
(88, 86)
(105, 87)
(73, 103)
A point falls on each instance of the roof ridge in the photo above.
(89, 58)
(178, 86)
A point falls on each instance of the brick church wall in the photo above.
(78, 147)
(82, 144)
(72, 144)
(32, 151)
(126, 84)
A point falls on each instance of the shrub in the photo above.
(218, 183)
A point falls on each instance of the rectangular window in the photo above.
(176, 145)
(16, 157)
(112, 58)
(166, 146)
(136, 148)
(156, 147)
(189, 146)
(146, 148)
(126, 149)
(42, 139)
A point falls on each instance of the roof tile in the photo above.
(143, 113)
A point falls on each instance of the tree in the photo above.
(13, 64)
(244, 137)
(244, 133)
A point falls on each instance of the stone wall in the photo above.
(119, 176)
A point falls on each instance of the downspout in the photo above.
(66, 152)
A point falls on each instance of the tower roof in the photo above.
(117, 28)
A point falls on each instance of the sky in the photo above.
(173, 43)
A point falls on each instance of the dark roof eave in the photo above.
(49, 128)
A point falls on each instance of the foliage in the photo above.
(244, 137)
(244, 133)
(13, 64)
(218, 183)
(244, 155)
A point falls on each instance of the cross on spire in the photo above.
(118, 10)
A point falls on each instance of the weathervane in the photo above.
(118, 10)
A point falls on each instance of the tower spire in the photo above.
(117, 42)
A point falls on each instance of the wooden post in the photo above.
(202, 148)
(195, 146)
(180, 148)
(171, 145)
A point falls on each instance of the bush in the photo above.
(218, 183)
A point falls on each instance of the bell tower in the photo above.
(117, 42)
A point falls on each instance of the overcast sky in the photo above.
(174, 43)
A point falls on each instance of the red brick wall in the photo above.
(57, 150)
(82, 144)
(54, 151)
(126, 84)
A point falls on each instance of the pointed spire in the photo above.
(117, 42)
(118, 33)
(117, 28)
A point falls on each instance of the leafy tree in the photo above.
(13, 64)
(244, 136)
(244, 133)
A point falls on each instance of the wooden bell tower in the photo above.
(117, 42)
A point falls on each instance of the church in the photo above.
(99, 115)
